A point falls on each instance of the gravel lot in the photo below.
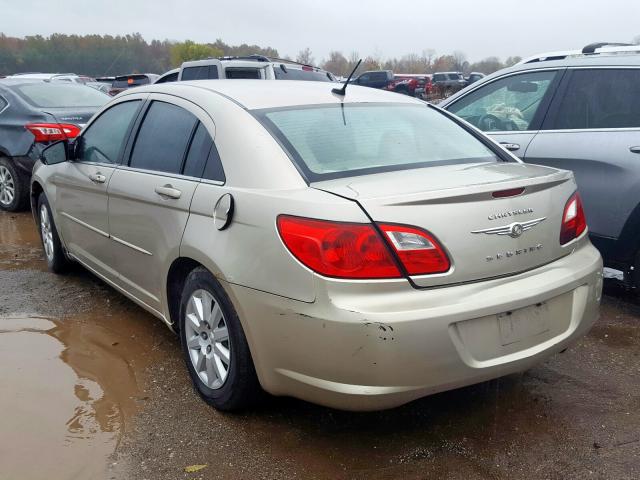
(97, 387)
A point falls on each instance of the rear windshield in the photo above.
(58, 95)
(290, 73)
(327, 141)
(126, 82)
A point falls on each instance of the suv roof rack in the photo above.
(591, 49)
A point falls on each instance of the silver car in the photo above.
(356, 251)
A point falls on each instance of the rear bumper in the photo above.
(369, 347)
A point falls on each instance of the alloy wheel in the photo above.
(7, 186)
(47, 233)
(207, 339)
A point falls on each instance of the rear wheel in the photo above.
(214, 346)
(53, 251)
(14, 190)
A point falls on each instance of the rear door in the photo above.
(81, 186)
(150, 195)
(593, 129)
(510, 109)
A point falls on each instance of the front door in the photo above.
(510, 108)
(81, 187)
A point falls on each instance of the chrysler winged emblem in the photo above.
(514, 230)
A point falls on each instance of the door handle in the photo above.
(634, 149)
(97, 178)
(510, 146)
(168, 191)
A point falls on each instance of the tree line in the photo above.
(102, 55)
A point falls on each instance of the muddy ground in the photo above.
(91, 386)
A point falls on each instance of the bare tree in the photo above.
(337, 64)
(304, 56)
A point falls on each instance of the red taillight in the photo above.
(573, 220)
(52, 132)
(334, 249)
(419, 251)
(356, 250)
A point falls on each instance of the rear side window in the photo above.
(172, 77)
(202, 160)
(104, 138)
(253, 73)
(507, 104)
(163, 138)
(201, 72)
(600, 98)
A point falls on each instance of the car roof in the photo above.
(258, 94)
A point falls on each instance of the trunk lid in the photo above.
(485, 237)
(76, 116)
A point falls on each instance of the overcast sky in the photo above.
(479, 28)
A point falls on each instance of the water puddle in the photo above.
(69, 391)
(20, 243)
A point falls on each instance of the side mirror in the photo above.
(55, 153)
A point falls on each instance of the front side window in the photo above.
(328, 141)
(162, 139)
(600, 98)
(104, 138)
(507, 104)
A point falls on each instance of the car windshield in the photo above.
(58, 95)
(327, 141)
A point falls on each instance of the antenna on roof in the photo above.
(343, 91)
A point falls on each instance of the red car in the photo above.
(416, 85)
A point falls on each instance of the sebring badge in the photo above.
(514, 230)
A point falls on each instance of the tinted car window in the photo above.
(3, 103)
(600, 99)
(509, 103)
(290, 73)
(327, 141)
(242, 73)
(104, 138)
(162, 138)
(201, 72)
(59, 94)
(131, 81)
(438, 77)
(213, 170)
(198, 152)
(172, 77)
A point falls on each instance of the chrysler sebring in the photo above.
(358, 251)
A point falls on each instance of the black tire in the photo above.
(241, 387)
(57, 262)
(19, 184)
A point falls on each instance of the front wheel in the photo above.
(53, 251)
(214, 346)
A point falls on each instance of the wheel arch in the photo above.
(177, 274)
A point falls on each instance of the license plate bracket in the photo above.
(523, 323)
